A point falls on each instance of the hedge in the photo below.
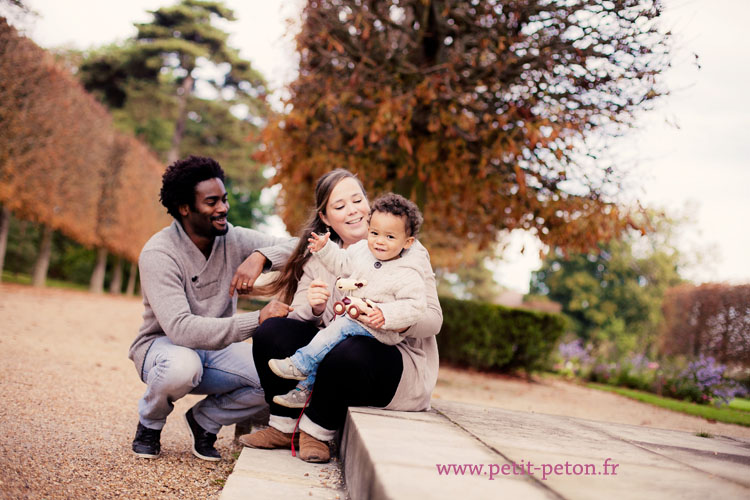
(487, 336)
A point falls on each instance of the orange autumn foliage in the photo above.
(478, 111)
(61, 162)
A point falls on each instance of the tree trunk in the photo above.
(4, 229)
(115, 287)
(183, 94)
(97, 277)
(39, 276)
(130, 290)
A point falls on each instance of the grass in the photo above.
(726, 414)
(740, 404)
(25, 279)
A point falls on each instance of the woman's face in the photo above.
(347, 211)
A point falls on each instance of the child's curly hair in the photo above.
(179, 181)
(397, 205)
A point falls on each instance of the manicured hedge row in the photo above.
(488, 336)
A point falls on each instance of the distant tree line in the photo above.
(71, 170)
(712, 319)
(65, 167)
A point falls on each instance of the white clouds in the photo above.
(86, 23)
(257, 33)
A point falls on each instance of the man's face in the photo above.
(209, 217)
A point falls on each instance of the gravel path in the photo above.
(68, 396)
(68, 405)
(555, 396)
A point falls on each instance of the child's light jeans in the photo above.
(307, 358)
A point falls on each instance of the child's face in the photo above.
(387, 235)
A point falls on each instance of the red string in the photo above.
(296, 425)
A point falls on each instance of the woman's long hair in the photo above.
(286, 284)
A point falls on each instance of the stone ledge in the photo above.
(394, 455)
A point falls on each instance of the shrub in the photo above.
(636, 372)
(703, 381)
(572, 359)
(488, 336)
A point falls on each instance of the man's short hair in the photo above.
(179, 181)
(397, 205)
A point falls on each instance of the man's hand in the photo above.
(247, 273)
(274, 309)
(318, 295)
(372, 317)
(317, 242)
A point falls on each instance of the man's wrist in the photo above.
(260, 259)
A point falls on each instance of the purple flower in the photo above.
(708, 376)
(574, 350)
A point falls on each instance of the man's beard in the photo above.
(218, 232)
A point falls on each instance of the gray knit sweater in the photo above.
(186, 296)
(396, 285)
(419, 351)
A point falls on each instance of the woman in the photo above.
(360, 371)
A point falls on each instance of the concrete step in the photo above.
(474, 452)
(393, 455)
(396, 455)
(270, 474)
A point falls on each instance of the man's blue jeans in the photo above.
(227, 376)
(307, 358)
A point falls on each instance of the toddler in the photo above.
(395, 286)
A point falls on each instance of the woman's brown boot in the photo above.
(312, 450)
(269, 438)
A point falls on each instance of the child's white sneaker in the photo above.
(284, 368)
(296, 398)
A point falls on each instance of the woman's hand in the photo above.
(246, 274)
(318, 295)
(317, 242)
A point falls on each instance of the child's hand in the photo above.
(317, 242)
(372, 317)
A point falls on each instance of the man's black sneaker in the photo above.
(146, 443)
(203, 441)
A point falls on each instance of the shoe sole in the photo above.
(147, 455)
(283, 402)
(281, 374)
(192, 440)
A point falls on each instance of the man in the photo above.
(191, 340)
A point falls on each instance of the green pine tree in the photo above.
(180, 87)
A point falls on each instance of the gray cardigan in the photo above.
(419, 351)
(186, 297)
(396, 285)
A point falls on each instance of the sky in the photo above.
(690, 155)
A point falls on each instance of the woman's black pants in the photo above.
(360, 371)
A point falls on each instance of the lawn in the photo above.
(740, 404)
(25, 279)
(736, 413)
